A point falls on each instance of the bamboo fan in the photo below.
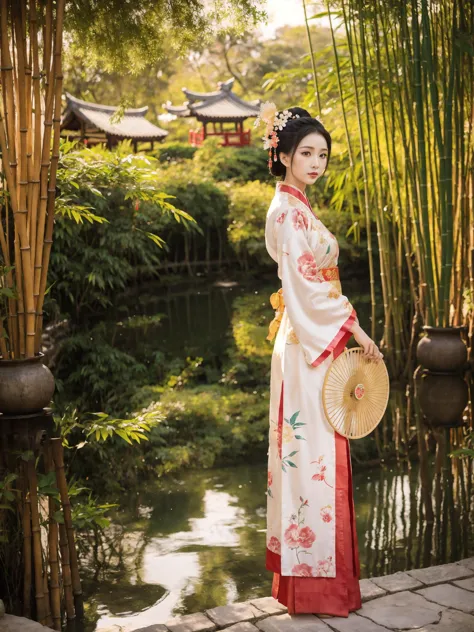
(355, 394)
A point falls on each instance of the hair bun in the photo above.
(300, 111)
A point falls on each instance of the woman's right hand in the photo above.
(371, 351)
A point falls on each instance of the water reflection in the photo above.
(192, 542)
(185, 545)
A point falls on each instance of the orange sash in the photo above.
(278, 303)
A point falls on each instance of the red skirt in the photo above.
(327, 595)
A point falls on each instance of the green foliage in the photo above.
(125, 37)
(206, 426)
(239, 164)
(195, 193)
(248, 208)
(98, 375)
(175, 152)
(89, 515)
(7, 493)
(250, 354)
(467, 450)
(103, 427)
(117, 195)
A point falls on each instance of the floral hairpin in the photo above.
(274, 121)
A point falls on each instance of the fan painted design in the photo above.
(355, 394)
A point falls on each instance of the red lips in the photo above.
(313, 174)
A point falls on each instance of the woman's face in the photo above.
(309, 160)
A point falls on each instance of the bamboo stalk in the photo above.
(66, 569)
(47, 242)
(36, 167)
(57, 451)
(37, 552)
(364, 170)
(313, 63)
(26, 525)
(53, 543)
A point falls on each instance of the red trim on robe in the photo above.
(280, 423)
(289, 188)
(338, 342)
(338, 595)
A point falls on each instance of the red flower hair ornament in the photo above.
(274, 121)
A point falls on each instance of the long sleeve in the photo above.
(321, 316)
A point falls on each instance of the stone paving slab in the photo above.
(242, 627)
(191, 623)
(9, 623)
(467, 584)
(269, 605)
(439, 574)
(402, 611)
(468, 561)
(449, 596)
(293, 623)
(451, 621)
(397, 582)
(224, 616)
(157, 627)
(354, 623)
(369, 590)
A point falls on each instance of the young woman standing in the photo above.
(311, 535)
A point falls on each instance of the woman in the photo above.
(311, 536)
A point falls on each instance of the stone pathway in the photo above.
(435, 599)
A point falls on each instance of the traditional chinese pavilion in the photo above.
(222, 113)
(90, 122)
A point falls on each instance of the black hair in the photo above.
(293, 133)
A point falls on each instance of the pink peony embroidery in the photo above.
(302, 570)
(274, 545)
(281, 218)
(307, 267)
(270, 478)
(292, 536)
(324, 567)
(299, 219)
(326, 513)
(306, 537)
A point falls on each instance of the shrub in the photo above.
(175, 152)
(239, 164)
(194, 193)
(206, 426)
(247, 214)
(250, 355)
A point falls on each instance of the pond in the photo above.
(194, 541)
(186, 544)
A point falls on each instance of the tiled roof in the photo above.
(222, 105)
(133, 123)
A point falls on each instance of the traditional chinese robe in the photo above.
(311, 536)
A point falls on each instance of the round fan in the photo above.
(355, 393)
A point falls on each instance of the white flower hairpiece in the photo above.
(274, 121)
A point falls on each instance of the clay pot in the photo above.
(26, 386)
(442, 349)
(442, 398)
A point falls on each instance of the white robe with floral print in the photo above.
(301, 460)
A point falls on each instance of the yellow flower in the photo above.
(268, 112)
(287, 433)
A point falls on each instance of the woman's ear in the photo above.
(285, 159)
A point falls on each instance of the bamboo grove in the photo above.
(30, 111)
(404, 74)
